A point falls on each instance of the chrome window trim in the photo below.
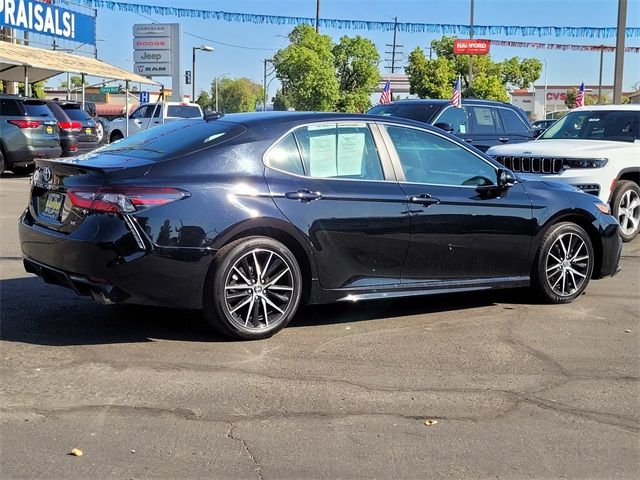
(383, 152)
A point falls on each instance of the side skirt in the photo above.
(434, 287)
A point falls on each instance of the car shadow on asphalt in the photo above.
(36, 313)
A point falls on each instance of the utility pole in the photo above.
(264, 83)
(622, 27)
(394, 47)
(600, 80)
(317, 16)
(471, 37)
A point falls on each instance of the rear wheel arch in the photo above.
(632, 174)
(583, 222)
(281, 231)
(115, 134)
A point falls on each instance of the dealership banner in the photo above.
(356, 24)
(41, 17)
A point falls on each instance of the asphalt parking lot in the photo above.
(513, 389)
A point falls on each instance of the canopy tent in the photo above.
(18, 62)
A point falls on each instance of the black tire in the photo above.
(271, 298)
(564, 263)
(3, 164)
(626, 195)
(115, 136)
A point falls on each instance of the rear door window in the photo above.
(484, 119)
(344, 151)
(10, 108)
(422, 112)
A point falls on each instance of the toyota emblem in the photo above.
(46, 174)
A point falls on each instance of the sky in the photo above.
(240, 48)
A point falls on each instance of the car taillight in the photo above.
(124, 199)
(25, 123)
(70, 125)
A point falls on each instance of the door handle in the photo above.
(504, 139)
(425, 200)
(303, 195)
(468, 140)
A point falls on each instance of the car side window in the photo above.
(431, 159)
(512, 122)
(345, 151)
(483, 119)
(10, 108)
(139, 112)
(456, 117)
(285, 156)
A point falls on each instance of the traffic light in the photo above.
(187, 77)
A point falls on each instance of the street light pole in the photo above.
(264, 84)
(619, 65)
(471, 37)
(204, 48)
(544, 108)
(219, 76)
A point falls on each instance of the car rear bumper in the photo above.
(109, 266)
(26, 155)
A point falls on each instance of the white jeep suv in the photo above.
(594, 148)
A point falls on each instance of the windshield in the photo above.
(614, 125)
(76, 113)
(183, 111)
(174, 139)
(423, 112)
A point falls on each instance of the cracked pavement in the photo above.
(520, 390)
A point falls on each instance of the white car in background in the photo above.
(594, 148)
(149, 115)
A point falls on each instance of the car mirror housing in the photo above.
(447, 127)
(506, 178)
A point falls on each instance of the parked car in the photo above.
(102, 124)
(28, 130)
(481, 123)
(150, 115)
(248, 216)
(595, 149)
(68, 130)
(87, 136)
(539, 126)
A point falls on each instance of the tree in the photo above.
(237, 95)
(204, 100)
(37, 89)
(356, 62)
(306, 70)
(572, 93)
(76, 82)
(434, 78)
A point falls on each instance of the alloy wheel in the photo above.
(99, 131)
(567, 265)
(629, 212)
(259, 289)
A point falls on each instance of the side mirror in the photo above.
(506, 178)
(447, 127)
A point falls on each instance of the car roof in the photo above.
(254, 119)
(442, 101)
(21, 98)
(627, 106)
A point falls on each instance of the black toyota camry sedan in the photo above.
(250, 216)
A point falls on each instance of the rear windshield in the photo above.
(174, 139)
(60, 115)
(183, 111)
(76, 113)
(422, 112)
(37, 109)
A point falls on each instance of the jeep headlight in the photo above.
(584, 162)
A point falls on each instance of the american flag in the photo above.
(385, 96)
(456, 96)
(580, 96)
